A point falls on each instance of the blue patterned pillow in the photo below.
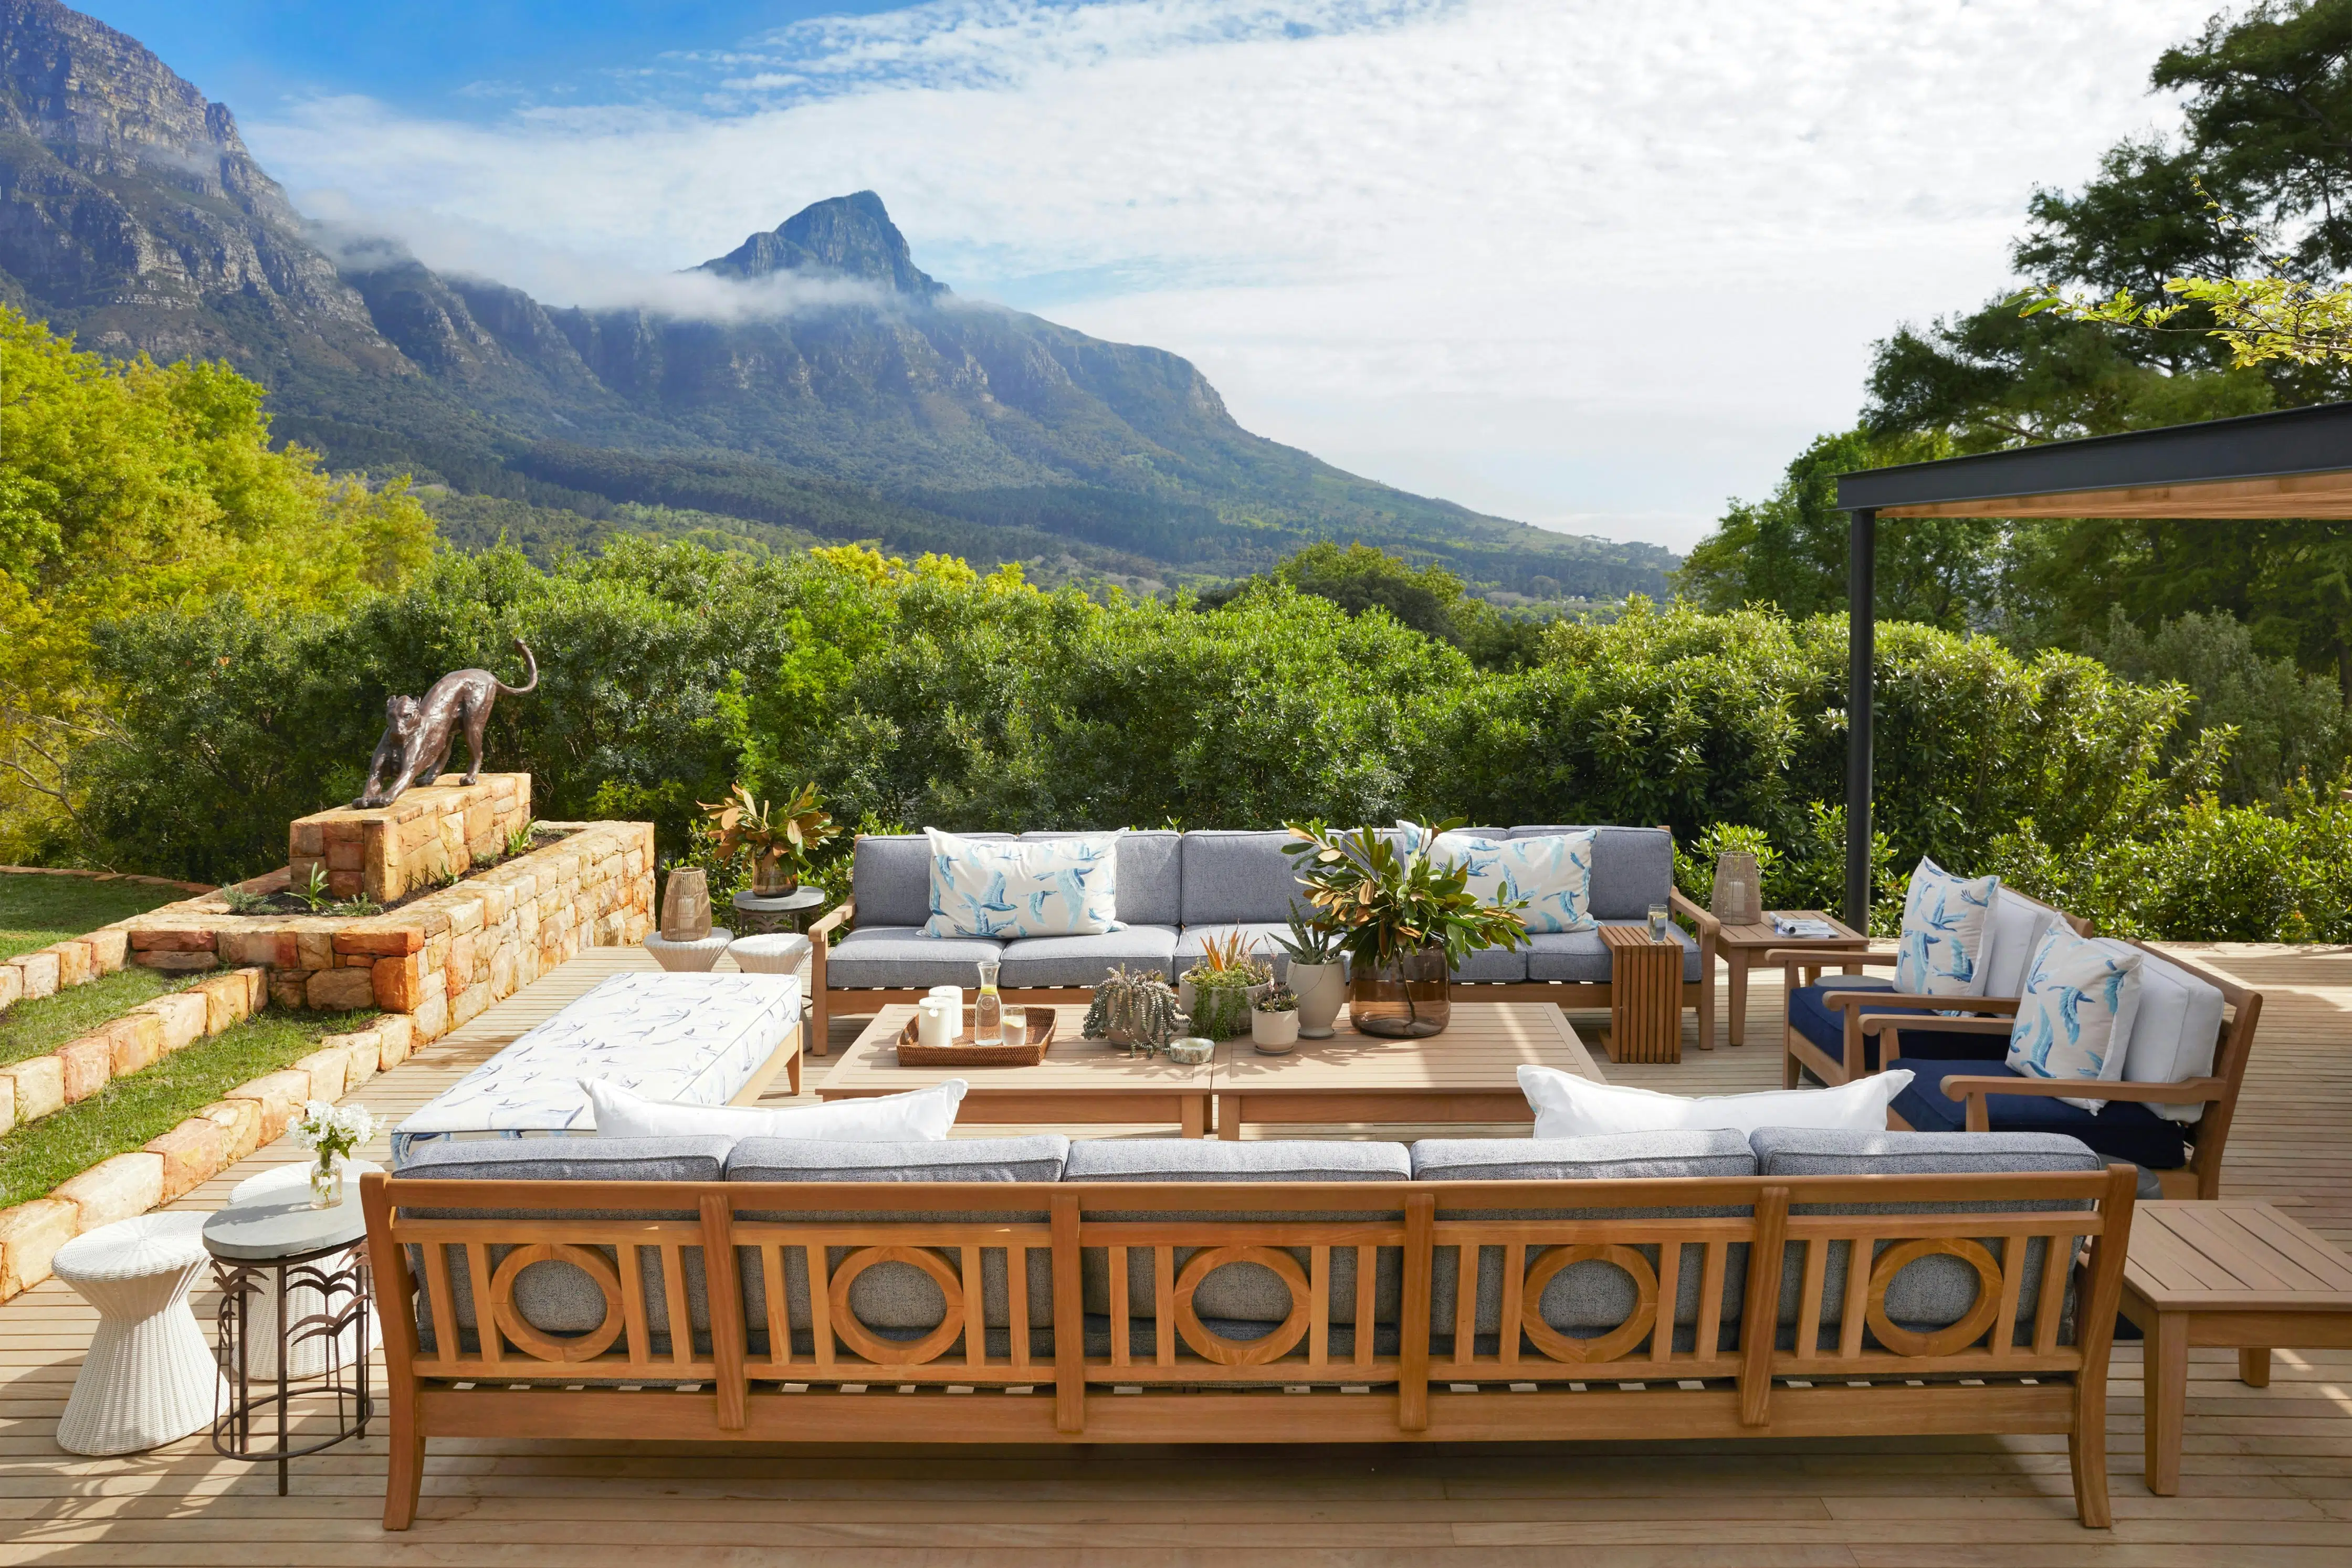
(1035, 887)
(1947, 932)
(1551, 875)
(2075, 1018)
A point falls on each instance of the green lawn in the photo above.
(29, 1029)
(35, 911)
(128, 1112)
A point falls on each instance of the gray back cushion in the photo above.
(557, 1297)
(1240, 1292)
(1590, 1295)
(890, 877)
(1150, 875)
(1232, 875)
(1934, 1291)
(898, 1296)
(1632, 868)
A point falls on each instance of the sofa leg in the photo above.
(403, 1480)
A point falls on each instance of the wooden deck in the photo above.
(2267, 1475)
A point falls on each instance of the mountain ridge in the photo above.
(869, 400)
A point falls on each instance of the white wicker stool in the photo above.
(289, 1183)
(782, 953)
(689, 958)
(149, 1378)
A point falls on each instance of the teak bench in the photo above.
(1367, 1380)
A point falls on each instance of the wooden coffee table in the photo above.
(1469, 1073)
(1739, 946)
(1080, 1081)
(2232, 1274)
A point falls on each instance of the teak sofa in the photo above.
(1029, 1291)
(1177, 890)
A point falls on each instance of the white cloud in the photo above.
(1593, 263)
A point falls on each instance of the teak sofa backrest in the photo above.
(1370, 1382)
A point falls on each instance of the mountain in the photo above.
(840, 391)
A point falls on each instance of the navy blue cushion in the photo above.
(1826, 1028)
(2126, 1130)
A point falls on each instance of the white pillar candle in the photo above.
(931, 1022)
(953, 997)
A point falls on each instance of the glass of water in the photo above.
(1658, 922)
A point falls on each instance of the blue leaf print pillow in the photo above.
(2075, 1018)
(1551, 877)
(1947, 932)
(1036, 887)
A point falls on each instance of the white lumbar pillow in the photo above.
(1567, 1106)
(2074, 1020)
(1023, 887)
(920, 1115)
(1944, 948)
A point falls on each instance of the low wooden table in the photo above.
(1469, 1073)
(2234, 1273)
(1646, 995)
(1080, 1081)
(1739, 944)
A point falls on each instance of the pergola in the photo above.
(2295, 464)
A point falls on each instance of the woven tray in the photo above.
(1031, 1051)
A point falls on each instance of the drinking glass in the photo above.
(1658, 922)
(1016, 1026)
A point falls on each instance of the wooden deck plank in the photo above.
(2266, 1473)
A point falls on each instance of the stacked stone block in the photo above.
(385, 852)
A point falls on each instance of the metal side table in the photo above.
(270, 1253)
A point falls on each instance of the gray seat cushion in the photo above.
(1150, 874)
(1495, 965)
(1244, 876)
(1239, 1292)
(1580, 958)
(890, 878)
(556, 1297)
(899, 1297)
(1936, 1292)
(899, 957)
(1591, 1295)
(1632, 868)
(1084, 960)
(1256, 934)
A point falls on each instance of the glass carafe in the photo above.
(988, 1010)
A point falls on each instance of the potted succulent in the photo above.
(1133, 1008)
(1219, 988)
(1274, 1020)
(1405, 922)
(1318, 975)
(780, 837)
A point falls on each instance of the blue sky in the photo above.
(1599, 264)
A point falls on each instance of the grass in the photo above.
(29, 1029)
(129, 1110)
(35, 911)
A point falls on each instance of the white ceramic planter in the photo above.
(1274, 1033)
(1321, 988)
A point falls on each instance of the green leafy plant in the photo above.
(773, 833)
(1221, 979)
(520, 841)
(1277, 998)
(240, 902)
(1310, 939)
(1388, 902)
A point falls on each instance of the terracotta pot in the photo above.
(770, 877)
(1409, 1000)
(685, 905)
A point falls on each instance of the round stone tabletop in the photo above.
(274, 1225)
(790, 902)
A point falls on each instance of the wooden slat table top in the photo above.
(1073, 1065)
(1759, 934)
(1634, 936)
(1481, 1052)
(2234, 1255)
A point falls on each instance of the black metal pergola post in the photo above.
(2297, 463)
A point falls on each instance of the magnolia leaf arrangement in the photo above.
(1134, 1008)
(776, 833)
(1387, 901)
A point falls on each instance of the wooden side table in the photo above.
(1646, 995)
(2233, 1274)
(1740, 945)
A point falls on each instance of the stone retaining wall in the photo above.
(385, 852)
(60, 965)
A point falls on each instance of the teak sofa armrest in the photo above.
(820, 935)
(2193, 1092)
(839, 917)
(2004, 1007)
(1892, 1023)
(1682, 902)
(1822, 957)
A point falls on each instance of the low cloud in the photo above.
(1656, 230)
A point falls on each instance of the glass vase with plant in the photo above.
(1217, 989)
(331, 1132)
(779, 836)
(1406, 921)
